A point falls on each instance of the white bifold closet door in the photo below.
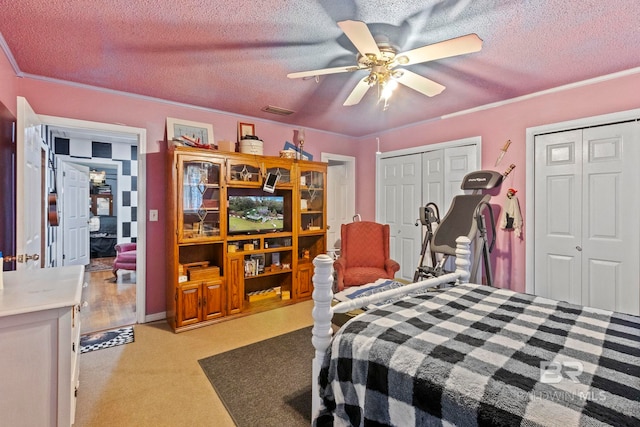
(587, 231)
(411, 181)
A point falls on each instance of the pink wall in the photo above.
(87, 104)
(495, 126)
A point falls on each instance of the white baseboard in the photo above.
(155, 317)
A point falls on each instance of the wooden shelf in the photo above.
(311, 232)
(265, 305)
(263, 251)
(268, 273)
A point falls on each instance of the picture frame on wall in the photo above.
(245, 129)
(179, 128)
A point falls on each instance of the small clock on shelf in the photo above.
(188, 130)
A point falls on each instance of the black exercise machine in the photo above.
(466, 217)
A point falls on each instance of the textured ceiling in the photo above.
(234, 56)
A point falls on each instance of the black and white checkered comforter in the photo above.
(476, 355)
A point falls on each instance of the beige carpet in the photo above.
(157, 381)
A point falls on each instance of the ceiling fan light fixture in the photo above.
(379, 57)
(387, 89)
(396, 74)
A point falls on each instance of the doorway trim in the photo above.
(141, 135)
(530, 159)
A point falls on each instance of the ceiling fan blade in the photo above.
(448, 48)
(357, 93)
(360, 36)
(322, 72)
(419, 83)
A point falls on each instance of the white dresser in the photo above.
(40, 346)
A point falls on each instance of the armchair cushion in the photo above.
(364, 254)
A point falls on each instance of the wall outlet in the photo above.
(153, 214)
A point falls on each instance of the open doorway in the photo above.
(113, 164)
(110, 293)
(36, 235)
(341, 189)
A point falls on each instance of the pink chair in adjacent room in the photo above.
(364, 254)
(125, 257)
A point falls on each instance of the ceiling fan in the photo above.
(380, 58)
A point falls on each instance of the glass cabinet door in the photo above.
(244, 173)
(280, 169)
(312, 200)
(199, 199)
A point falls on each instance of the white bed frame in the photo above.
(323, 296)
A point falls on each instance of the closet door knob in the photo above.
(579, 248)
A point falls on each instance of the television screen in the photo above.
(255, 214)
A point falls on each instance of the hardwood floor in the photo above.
(108, 302)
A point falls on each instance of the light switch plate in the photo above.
(153, 214)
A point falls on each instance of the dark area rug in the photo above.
(267, 383)
(100, 264)
(106, 339)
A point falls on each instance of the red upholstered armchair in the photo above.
(125, 257)
(364, 254)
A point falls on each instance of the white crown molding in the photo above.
(164, 101)
(557, 89)
(517, 99)
(10, 58)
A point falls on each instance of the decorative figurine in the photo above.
(512, 218)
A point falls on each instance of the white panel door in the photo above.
(340, 201)
(29, 196)
(458, 162)
(443, 172)
(400, 200)
(558, 214)
(433, 178)
(433, 183)
(75, 214)
(587, 242)
(610, 226)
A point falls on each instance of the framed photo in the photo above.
(305, 156)
(245, 129)
(177, 128)
(103, 206)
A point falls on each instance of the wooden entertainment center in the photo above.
(235, 248)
